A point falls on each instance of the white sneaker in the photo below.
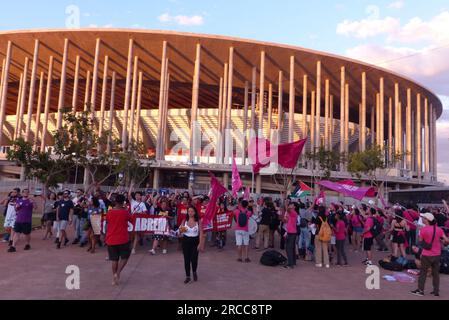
(153, 252)
(327, 266)
(319, 265)
(164, 251)
(133, 251)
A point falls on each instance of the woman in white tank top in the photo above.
(191, 232)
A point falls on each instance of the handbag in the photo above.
(428, 246)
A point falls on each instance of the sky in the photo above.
(407, 36)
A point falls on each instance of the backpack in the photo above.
(272, 258)
(376, 229)
(243, 219)
(325, 233)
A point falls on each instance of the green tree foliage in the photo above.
(326, 161)
(366, 162)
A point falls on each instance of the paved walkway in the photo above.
(40, 274)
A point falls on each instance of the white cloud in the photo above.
(396, 4)
(368, 27)
(195, 20)
(106, 26)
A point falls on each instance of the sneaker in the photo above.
(66, 242)
(187, 281)
(239, 260)
(319, 265)
(195, 277)
(418, 293)
(327, 266)
(27, 247)
(164, 251)
(12, 249)
(153, 252)
(133, 251)
(58, 246)
(247, 260)
(56, 240)
(436, 294)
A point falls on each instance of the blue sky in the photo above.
(407, 36)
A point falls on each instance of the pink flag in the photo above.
(348, 182)
(262, 153)
(381, 198)
(349, 190)
(217, 190)
(236, 181)
(246, 196)
(321, 200)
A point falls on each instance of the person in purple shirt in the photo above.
(24, 208)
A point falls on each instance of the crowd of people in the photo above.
(307, 230)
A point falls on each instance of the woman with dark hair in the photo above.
(399, 229)
(49, 214)
(191, 232)
(321, 247)
(93, 226)
(356, 223)
(291, 220)
(221, 235)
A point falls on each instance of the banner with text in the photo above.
(145, 223)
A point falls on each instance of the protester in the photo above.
(49, 214)
(321, 245)
(263, 233)
(78, 220)
(11, 214)
(291, 219)
(340, 237)
(305, 217)
(380, 238)
(368, 238)
(64, 214)
(274, 224)
(137, 207)
(356, 223)
(93, 225)
(117, 237)
(221, 236)
(191, 230)
(431, 236)
(242, 216)
(23, 221)
(399, 228)
(164, 211)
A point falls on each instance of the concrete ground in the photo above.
(40, 274)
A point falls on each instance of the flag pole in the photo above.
(252, 182)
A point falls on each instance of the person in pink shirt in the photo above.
(431, 235)
(356, 224)
(410, 217)
(241, 217)
(368, 239)
(340, 236)
(291, 220)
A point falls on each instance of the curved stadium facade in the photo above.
(152, 86)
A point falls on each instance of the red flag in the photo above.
(217, 190)
(262, 152)
(289, 153)
(236, 181)
(347, 182)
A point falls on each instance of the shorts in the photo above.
(367, 244)
(10, 221)
(50, 216)
(121, 251)
(242, 238)
(357, 229)
(62, 225)
(24, 228)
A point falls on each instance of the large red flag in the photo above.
(262, 153)
(236, 181)
(217, 190)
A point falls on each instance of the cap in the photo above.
(428, 216)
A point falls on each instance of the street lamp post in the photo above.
(76, 170)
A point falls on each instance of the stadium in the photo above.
(151, 86)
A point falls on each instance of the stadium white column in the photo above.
(219, 138)
(139, 104)
(390, 130)
(418, 136)
(38, 110)
(111, 112)
(318, 106)
(377, 119)
(224, 110)
(342, 109)
(397, 139)
(253, 100)
(291, 112)
(130, 128)
(195, 94)
(245, 121)
(261, 92)
(161, 102)
(312, 122)
(4, 92)
(304, 107)
(331, 121)
(76, 84)
(23, 97)
(32, 90)
(426, 136)
(93, 98)
(19, 99)
(63, 83)
(270, 110)
(326, 116)
(408, 132)
(363, 115)
(434, 141)
(2, 78)
(127, 93)
(228, 147)
(103, 96)
(373, 124)
(280, 104)
(87, 92)
(382, 113)
(47, 102)
(347, 118)
(165, 112)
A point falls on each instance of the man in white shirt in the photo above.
(137, 207)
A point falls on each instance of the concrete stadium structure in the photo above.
(153, 85)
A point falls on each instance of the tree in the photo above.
(366, 162)
(326, 161)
